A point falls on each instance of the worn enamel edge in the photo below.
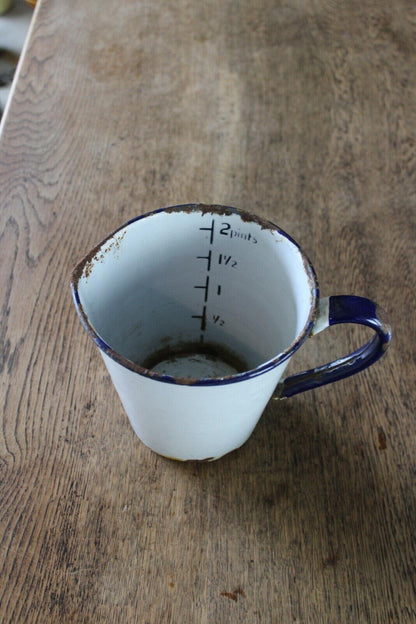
(322, 317)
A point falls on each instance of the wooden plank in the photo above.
(303, 113)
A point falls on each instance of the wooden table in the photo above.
(304, 113)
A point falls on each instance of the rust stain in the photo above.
(85, 267)
(234, 594)
(229, 595)
(213, 351)
(382, 439)
(223, 211)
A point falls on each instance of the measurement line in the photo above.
(207, 258)
(205, 288)
(219, 290)
(203, 318)
(210, 229)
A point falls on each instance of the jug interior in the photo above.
(197, 293)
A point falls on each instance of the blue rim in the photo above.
(204, 381)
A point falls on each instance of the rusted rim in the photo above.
(204, 381)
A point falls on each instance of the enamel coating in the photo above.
(222, 281)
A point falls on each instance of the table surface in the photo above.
(304, 113)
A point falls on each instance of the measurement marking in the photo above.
(219, 290)
(218, 320)
(203, 318)
(210, 229)
(208, 258)
(205, 288)
(227, 260)
(227, 231)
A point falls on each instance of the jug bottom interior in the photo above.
(195, 360)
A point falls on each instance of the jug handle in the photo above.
(334, 311)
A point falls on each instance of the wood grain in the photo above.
(303, 112)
